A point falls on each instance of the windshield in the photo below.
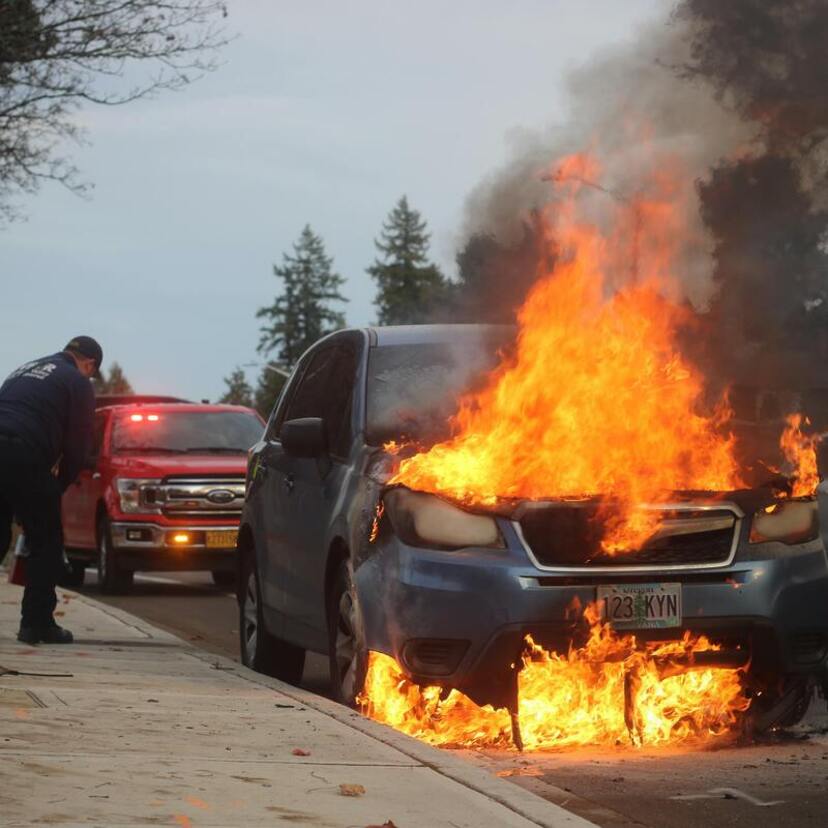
(208, 432)
(413, 390)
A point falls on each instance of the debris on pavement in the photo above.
(351, 790)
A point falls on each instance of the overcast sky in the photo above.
(322, 113)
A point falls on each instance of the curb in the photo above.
(517, 799)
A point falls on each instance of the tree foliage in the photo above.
(238, 390)
(56, 55)
(115, 383)
(767, 59)
(304, 310)
(410, 288)
(493, 279)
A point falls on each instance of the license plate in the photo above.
(640, 606)
(221, 539)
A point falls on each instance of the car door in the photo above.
(80, 500)
(301, 492)
(313, 489)
(275, 502)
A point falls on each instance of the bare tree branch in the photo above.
(57, 55)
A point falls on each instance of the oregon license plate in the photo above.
(640, 606)
(221, 539)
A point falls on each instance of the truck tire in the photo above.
(348, 656)
(261, 651)
(112, 579)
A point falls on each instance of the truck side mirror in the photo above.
(304, 437)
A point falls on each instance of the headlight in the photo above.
(138, 495)
(790, 521)
(426, 520)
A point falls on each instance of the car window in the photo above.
(326, 390)
(308, 400)
(413, 390)
(277, 416)
(207, 432)
(340, 400)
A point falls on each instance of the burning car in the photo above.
(420, 594)
(547, 536)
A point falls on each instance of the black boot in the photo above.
(56, 635)
(52, 634)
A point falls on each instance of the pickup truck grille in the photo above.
(201, 496)
(568, 537)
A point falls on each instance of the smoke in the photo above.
(733, 98)
(635, 115)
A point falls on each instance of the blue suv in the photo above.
(335, 561)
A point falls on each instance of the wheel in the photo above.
(75, 574)
(225, 580)
(347, 653)
(111, 578)
(782, 707)
(260, 650)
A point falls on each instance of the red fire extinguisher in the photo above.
(17, 571)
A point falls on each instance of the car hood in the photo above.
(181, 465)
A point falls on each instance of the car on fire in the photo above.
(335, 560)
(165, 491)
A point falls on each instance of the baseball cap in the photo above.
(87, 347)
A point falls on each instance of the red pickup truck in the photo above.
(166, 492)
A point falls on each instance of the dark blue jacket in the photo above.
(50, 406)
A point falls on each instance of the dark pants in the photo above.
(30, 493)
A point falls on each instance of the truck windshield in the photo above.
(413, 390)
(207, 432)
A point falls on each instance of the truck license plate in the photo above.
(221, 539)
(640, 606)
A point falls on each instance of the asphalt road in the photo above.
(782, 781)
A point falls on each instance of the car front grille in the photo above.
(201, 496)
(564, 536)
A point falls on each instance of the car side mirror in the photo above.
(304, 437)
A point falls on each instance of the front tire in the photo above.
(112, 579)
(782, 707)
(348, 656)
(260, 650)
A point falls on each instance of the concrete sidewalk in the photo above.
(146, 729)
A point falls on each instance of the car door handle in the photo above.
(290, 482)
(96, 476)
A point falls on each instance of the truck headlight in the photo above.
(138, 495)
(421, 519)
(789, 521)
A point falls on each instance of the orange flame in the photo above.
(375, 523)
(597, 399)
(800, 451)
(613, 690)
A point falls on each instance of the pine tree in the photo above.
(115, 383)
(238, 390)
(302, 313)
(409, 287)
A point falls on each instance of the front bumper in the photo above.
(149, 547)
(458, 619)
